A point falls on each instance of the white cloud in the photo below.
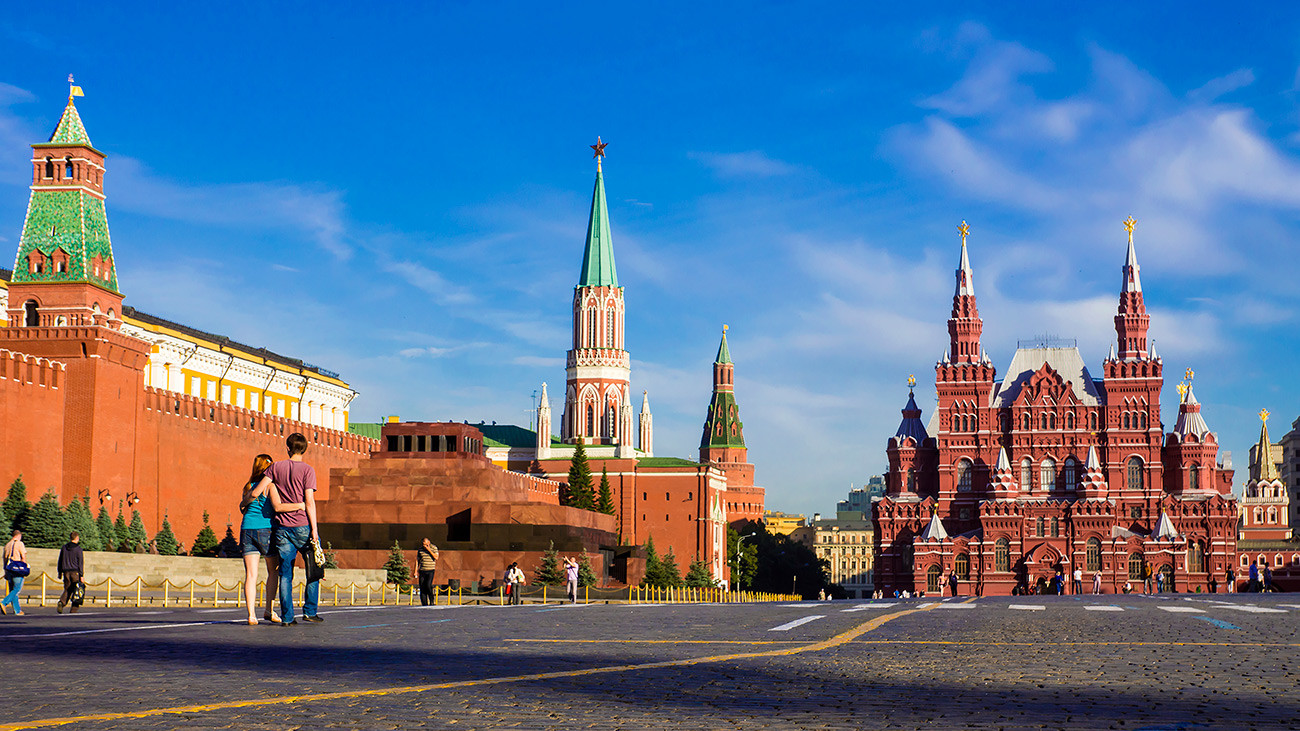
(749, 164)
(1215, 88)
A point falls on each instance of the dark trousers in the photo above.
(426, 587)
(70, 579)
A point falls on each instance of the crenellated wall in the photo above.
(32, 397)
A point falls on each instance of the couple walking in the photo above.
(279, 507)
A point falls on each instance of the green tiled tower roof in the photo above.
(70, 130)
(67, 217)
(598, 260)
(724, 354)
(722, 426)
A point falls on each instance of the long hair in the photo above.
(260, 463)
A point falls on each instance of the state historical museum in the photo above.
(1049, 468)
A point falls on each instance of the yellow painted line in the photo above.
(835, 641)
(1075, 644)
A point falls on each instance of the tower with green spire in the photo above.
(723, 442)
(596, 401)
(64, 274)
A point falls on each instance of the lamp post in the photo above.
(739, 540)
(132, 497)
(104, 496)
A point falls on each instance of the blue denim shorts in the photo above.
(256, 540)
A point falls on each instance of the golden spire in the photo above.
(73, 89)
(1129, 224)
(911, 383)
(1263, 415)
(1189, 374)
(724, 327)
(964, 230)
(1182, 392)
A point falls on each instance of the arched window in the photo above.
(1126, 420)
(609, 328)
(1135, 478)
(1259, 516)
(911, 479)
(1026, 475)
(1047, 474)
(1051, 421)
(1194, 478)
(49, 168)
(1094, 554)
(67, 169)
(591, 329)
(1071, 473)
(1143, 416)
(1092, 421)
(962, 566)
(1024, 422)
(963, 475)
(1041, 527)
(1042, 421)
(591, 420)
(1135, 566)
(32, 318)
(932, 578)
(965, 425)
(1069, 420)
(1196, 557)
(1272, 516)
(1056, 527)
(1002, 555)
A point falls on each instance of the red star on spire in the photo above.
(599, 147)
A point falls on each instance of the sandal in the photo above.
(271, 617)
(252, 621)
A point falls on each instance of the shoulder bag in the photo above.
(16, 567)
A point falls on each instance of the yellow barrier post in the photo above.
(191, 593)
(352, 594)
(367, 593)
(586, 595)
(138, 581)
(166, 584)
(216, 588)
(44, 576)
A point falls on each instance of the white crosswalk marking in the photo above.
(862, 607)
(791, 625)
(1293, 606)
(1105, 608)
(1030, 607)
(1180, 609)
(1253, 609)
(956, 606)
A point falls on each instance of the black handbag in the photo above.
(18, 568)
(78, 593)
(315, 569)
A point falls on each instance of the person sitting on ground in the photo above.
(1128, 587)
(15, 550)
(71, 567)
(255, 536)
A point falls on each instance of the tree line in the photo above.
(47, 524)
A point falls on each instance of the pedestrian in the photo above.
(1096, 583)
(1214, 585)
(1160, 582)
(1078, 581)
(426, 562)
(1232, 581)
(1253, 584)
(255, 541)
(16, 570)
(71, 568)
(952, 582)
(1146, 578)
(571, 578)
(291, 485)
(1268, 579)
(515, 578)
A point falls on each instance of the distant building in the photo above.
(1264, 533)
(846, 543)
(860, 498)
(782, 524)
(1289, 469)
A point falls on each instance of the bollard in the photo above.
(166, 584)
(367, 593)
(586, 595)
(352, 594)
(138, 581)
(191, 593)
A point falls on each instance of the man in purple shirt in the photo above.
(293, 494)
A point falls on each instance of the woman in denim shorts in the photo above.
(255, 538)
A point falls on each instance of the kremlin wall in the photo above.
(133, 411)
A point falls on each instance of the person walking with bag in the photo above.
(16, 570)
(291, 485)
(426, 562)
(71, 569)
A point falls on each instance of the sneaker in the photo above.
(314, 618)
(290, 623)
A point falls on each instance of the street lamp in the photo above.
(132, 497)
(740, 539)
(104, 496)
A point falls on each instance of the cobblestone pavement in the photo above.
(1125, 662)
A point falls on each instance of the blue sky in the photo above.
(400, 195)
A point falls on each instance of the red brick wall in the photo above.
(32, 392)
(195, 455)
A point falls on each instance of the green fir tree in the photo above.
(121, 535)
(605, 504)
(80, 520)
(46, 524)
(549, 571)
(331, 560)
(653, 568)
(672, 576)
(229, 546)
(5, 531)
(165, 540)
(580, 492)
(107, 535)
(399, 571)
(139, 538)
(205, 543)
(15, 505)
(586, 575)
(698, 575)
